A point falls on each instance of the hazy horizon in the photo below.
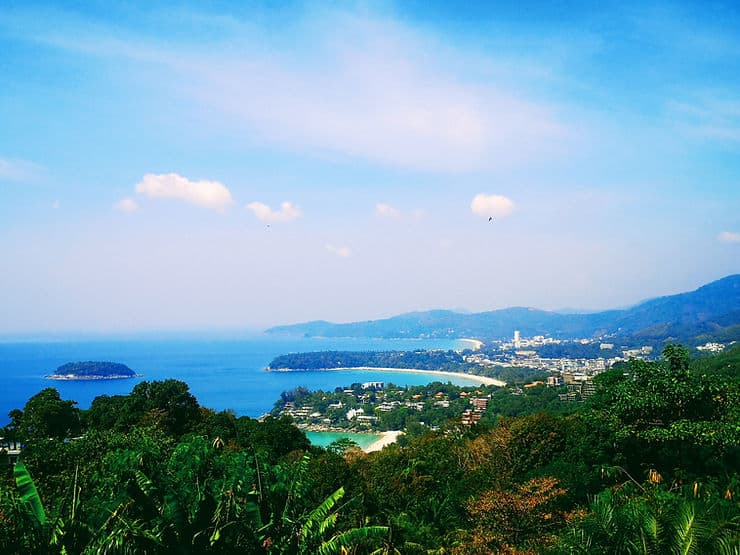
(183, 166)
(240, 332)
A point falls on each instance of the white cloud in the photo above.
(491, 205)
(377, 97)
(729, 237)
(18, 170)
(360, 86)
(126, 205)
(288, 212)
(387, 211)
(342, 252)
(209, 194)
(364, 86)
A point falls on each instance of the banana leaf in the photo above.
(29, 494)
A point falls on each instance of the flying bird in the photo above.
(490, 218)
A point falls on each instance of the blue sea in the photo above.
(222, 373)
(324, 439)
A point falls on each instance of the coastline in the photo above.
(387, 439)
(481, 380)
(477, 344)
(324, 438)
(78, 378)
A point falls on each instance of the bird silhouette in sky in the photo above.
(490, 218)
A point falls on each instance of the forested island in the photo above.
(91, 370)
(466, 362)
(649, 463)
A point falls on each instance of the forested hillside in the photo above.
(710, 312)
(321, 360)
(649, 464)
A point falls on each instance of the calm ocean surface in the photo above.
(323, 439)
(222, 374)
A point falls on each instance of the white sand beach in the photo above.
(482, 380)
(387, 439)
(475, 344)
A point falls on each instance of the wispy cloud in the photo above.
(729, 237)
(373, 96)
(126, 205)
(18, 170)
(364, 87)
(341, 252)
(287, 213)
(208, 194)
(491, 205)
(387, 211)
(710, 116)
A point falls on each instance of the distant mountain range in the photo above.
(712, 312)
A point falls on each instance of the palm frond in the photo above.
(685, 526)
(317, 519)
(120, 535)
(351, 538)
(144, 483)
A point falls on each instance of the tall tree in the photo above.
(46, 415)
(167, 404)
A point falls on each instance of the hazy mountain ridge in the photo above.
(711, 310)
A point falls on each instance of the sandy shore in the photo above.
(475, 343)
(387, 439)
(483, 380)
(78, 378)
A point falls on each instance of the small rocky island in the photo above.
(92, 371)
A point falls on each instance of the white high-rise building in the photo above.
(517, 339)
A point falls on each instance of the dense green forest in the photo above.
(450, 361)
(420, 359)
(648, 464)
(92, 370)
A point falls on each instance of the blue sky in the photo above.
(229, 164)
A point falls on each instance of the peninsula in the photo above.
(91, 370)
(449, 364)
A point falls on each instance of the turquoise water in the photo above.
(222, 374)
(322, 439)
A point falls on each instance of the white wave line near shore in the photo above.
(482, 380)
(476, 343)
(387, 438)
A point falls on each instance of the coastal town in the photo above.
(377, 406)
(531, 378)
(564, 365)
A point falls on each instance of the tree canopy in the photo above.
(649, 464)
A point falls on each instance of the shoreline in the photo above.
(80, 378)
(387, 438)
(482, 380)
(477, 344)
